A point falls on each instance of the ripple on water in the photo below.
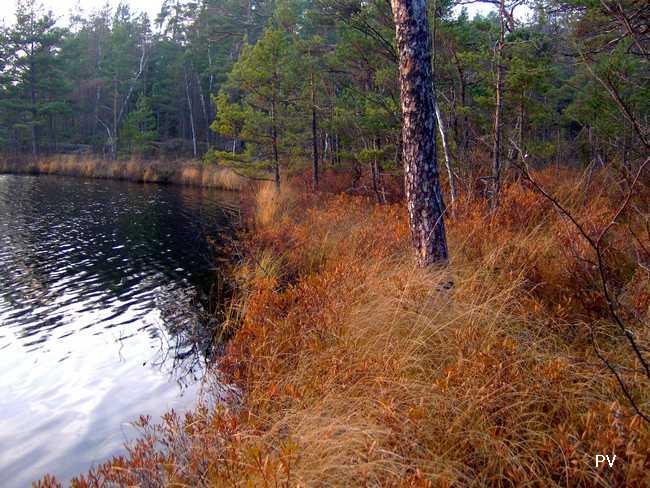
(85, 270)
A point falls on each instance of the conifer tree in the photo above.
(258, 105)
(33, 84)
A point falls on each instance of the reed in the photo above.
(177, 172)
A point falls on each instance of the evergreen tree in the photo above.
(34, 86)
(139, 134)
(261, 106)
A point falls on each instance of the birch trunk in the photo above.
(189, 105)
(204, 109)
(445, 148)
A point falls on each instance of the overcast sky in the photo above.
(62, 8)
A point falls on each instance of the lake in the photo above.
(98, 281)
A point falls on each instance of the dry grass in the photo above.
(180, 172)
(359, 369)
(271, 206)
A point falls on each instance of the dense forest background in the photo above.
(253, 81)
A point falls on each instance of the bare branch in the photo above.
(596, 245)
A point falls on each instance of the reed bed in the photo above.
(176, 172)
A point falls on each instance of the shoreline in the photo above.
(189, 173)
(357, 368)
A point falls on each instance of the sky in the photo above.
(63, 8)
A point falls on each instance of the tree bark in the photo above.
(445, 148)
(496, 149)
(439, 119)
(32, 89)
(375, 170)
(423, 195)
(274, 142)
(113, 132)
(204, 109)
(314, 135)
(191, 114)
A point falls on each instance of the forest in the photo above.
(441, 270)
(559, 81)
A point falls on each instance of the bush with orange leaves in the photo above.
(357, 368)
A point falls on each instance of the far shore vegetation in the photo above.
(184, 172)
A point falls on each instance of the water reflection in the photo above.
(93, 277)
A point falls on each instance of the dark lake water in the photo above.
(95, 277)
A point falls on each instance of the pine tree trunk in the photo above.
(98, 92)
(274, 142)
(32, 83)
(113, 135)
(423, 195)
(210, 91)
(314, 136)
(460, 101)
(496, 149)
(377, 184)
(398, 152)
(33, 121)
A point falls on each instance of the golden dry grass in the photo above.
(180, 172)
(271, 205)
(356, 368)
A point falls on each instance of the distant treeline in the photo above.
(256, 82)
